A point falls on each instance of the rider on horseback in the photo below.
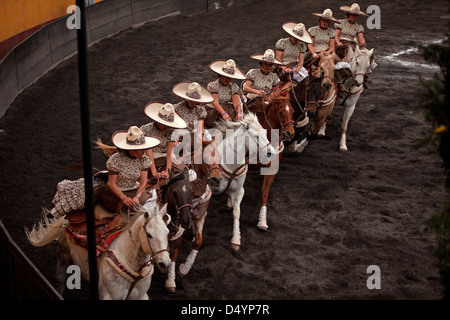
(262, 81)
(291, 52)
(226, 104)
(349, 33)
(127, 175)
(322, 37)
(165, 121)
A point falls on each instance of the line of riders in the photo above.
(149, 148)
(141, 160)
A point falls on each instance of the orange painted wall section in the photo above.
(17, 16)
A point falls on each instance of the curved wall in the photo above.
(31, 59)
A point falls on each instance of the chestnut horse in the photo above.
(274, 115)
(326, 102)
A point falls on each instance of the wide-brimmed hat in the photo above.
(327, 14)
(133, 139)
(192, 91)
(353, 9)
(298, 31)
(227, 68)
(165, 114)
(268, 56)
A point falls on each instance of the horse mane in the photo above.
(108, 150)
(172, 180)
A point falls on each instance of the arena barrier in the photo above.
(20, 279)
(43, 50)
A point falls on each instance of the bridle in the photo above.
(279, 119)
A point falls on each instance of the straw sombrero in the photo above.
(227, 68)
(165, 114)
(133, 139)
(327, 14)
(268, 56)
(298, 31)
(353, 9)
(192, 91)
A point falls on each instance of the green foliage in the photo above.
(434, 102)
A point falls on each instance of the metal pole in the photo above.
(86, 140)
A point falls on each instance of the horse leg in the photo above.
(321, 132)
(170, 284)
(302, 145)
(198, 241)
(348, 112)
(236, 199)
(262, 219)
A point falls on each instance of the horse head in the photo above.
(359, 63)
(211, 160)
(153, 237)
(314, 90)
(259, 135)
(280, 114)
(326, 66)
(178, 195)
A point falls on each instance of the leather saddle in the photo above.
(108, 225)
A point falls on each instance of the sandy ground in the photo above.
(331, 214)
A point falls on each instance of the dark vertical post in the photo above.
(86, 140)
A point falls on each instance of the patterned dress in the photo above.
(261, 81)
(128, 169)
(225, 93)
(290, 51)
(164, 135)
(321, 37)
(191, 115)
(348, 30)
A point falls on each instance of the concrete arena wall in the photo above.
(35, 56)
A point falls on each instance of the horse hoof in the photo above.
(235, 247)
(343, 148)
(170, 289)
(262, 226)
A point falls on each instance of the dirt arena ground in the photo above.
(331, 214)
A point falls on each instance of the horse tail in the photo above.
(108, 150)
(45, 232)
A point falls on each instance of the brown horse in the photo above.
(276, 116)
(188, 200)
(325, 103)
(205, 171)
(304, 99)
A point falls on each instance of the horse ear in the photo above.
(371, 52)
(358, 52)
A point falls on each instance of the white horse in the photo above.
(126, 269)
(359, 65)
(235, 172)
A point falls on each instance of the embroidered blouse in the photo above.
(164, 135)
(261, 81)
(321, 37)
(225, 93)
(290, 51)
(348, 30)
(190, 115)
(128, 169)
